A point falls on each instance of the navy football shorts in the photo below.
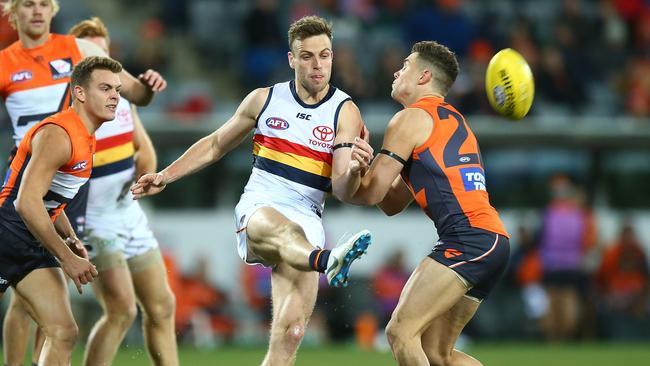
(478, 256)
(18, 258)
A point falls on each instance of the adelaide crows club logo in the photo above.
(61, 68)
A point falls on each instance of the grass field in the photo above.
(501, 354)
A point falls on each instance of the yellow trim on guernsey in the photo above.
(113, 154)
(299, 162)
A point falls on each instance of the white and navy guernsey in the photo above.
(113, 167)
(292, 145)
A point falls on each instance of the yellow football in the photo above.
(509, 84)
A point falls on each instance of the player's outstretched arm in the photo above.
(208, 149)
(51, 149)
(399, 142)
(138, 91)
(350, 128)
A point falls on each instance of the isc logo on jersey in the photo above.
(277, 123)
(473, 179)
(21, 76)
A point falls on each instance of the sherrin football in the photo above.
(509, 84)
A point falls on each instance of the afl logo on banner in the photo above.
(277, 123)
(323, 133)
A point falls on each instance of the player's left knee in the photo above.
(294, 333)
(162, 310)
(396, 330)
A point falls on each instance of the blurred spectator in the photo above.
(566, 235)
(624, 283)
(469, 88)
(555, 83)
(390, 60)
(526, 267)
(638, 88)
(443, 21)
(201, 312)
(8, 34)
(151, 49)
(388, 283)
(347, 75)
(265, 46)
(256, 282)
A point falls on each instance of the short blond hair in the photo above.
(309, 26)
(9, 7)
(93, 27)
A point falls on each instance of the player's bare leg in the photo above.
(39, 341)
(439, 338)
(158, 306)
(431, 291)
(293, 296)
(45, 292)
(277, 239)
(114, 291)
(15, 332)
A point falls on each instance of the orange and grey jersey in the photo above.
(113, 167)
(66, 181)
(292, 145)
(446, 174)
(35, 82)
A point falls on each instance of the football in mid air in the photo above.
(509, 84)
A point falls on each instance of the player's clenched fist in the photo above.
(362, 153)
(80, 270)
(148, 184)
(153, 80)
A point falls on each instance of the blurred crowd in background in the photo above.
(589, 58)
(564, 284)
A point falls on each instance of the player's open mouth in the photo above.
(112, 107)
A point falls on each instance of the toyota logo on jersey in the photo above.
(323, 133)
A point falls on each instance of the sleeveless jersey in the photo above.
(446, 174)
(292, 145)
(113, 167)
(66, 181)
(35, 82)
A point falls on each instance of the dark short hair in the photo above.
(442, 59)
(83, 70)
(309, 26)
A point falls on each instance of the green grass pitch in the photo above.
(497, 354)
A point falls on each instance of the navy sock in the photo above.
(318, 259)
